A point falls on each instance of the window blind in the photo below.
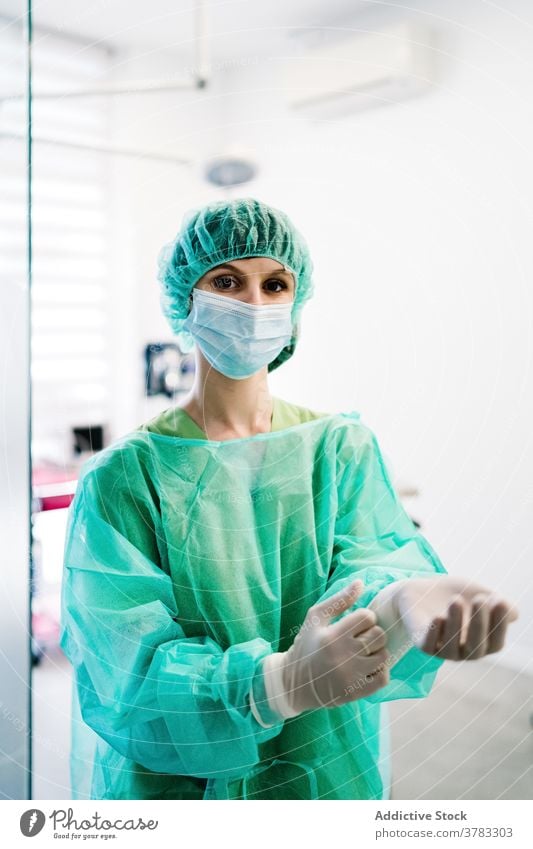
(71, 231)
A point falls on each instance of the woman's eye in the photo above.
(228, 281)
(278, 283)
(221, 282)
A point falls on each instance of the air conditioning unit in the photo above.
(366, 70)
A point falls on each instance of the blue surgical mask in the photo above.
(238, 339)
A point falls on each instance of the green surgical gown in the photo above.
(188, 560)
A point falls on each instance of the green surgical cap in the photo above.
(218, 233)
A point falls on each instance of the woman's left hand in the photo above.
(453, 618)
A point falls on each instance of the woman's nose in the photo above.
(253, 294)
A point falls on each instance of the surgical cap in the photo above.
(222, 231)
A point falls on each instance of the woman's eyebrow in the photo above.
(279, 270)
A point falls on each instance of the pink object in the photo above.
(45, 629)
(53, 487)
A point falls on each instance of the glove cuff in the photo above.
(259, 704)
(388, 617)
(274, 687)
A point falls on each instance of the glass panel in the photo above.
(15, 176)
(399, 143)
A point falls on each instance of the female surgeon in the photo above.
(242, 588)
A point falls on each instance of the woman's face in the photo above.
(257, 280)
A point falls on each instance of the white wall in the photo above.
(418, 218)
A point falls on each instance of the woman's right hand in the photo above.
(329, 664)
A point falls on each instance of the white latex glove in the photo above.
(328, 664)
(444, 616)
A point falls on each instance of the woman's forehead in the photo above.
(254, 263)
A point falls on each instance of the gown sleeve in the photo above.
(376, 541)
(171, 703)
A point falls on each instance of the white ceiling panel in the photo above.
(169, 24)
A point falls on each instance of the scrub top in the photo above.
(187, 561)
(176, 422)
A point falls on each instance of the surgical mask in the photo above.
(238, 339)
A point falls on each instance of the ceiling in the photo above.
(254, 25)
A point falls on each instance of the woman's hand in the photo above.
(329, 663)
(453, 618)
